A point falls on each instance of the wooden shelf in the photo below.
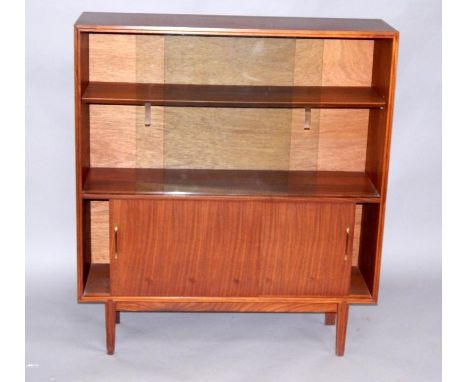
(98, 281)
(358, 288)
(97, 284)
(355, 186)
(122, 93)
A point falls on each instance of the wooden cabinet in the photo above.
(231, 164)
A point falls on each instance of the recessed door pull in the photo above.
(307, 118)
(147, 114)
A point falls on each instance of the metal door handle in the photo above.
(347, 243)
(116, 241)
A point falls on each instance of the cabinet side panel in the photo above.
(84, 263)
(81, 46)
(368, 246)
(380, 120)
(81, 109)
(377, 161)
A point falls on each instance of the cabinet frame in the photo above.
(365, 276)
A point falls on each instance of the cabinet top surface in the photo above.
(233, 25)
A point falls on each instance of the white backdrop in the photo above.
(410, 297)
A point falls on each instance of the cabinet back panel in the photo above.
(227, 138)
(357, 234)
(230, 60)
(224, 138)
(120, 139)
(99, 231)
(112, 136)
(347, 62)
(126, 58)
(342, 141)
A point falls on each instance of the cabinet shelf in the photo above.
(104, 182)
(122, 93)
(97, 284)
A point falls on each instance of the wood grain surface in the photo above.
(202, 252)
(219, 138)
(341, 326)
(347, 62)
(97, 284)
(308, 64)
(112, 57)
(177, 59)
(230, 248)
(185, 248)
(119, 137)
(229, 60)
(342, 141)
(234, 25)
(98, 290)
(122, 93)
(126, 58)
(357, 233)
(303, 249)
(183, 182)
(278, 307)
(99, 231)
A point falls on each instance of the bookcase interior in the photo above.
(216, 138)
(232, 138)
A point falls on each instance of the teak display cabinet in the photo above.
(231, 164)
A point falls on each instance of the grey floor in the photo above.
(398, 340)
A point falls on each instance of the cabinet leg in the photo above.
(341, 324)
(330, 318)
(117, 317)
(110, 326)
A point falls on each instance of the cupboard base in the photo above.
(333, 312)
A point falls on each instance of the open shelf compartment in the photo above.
(98, 283)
